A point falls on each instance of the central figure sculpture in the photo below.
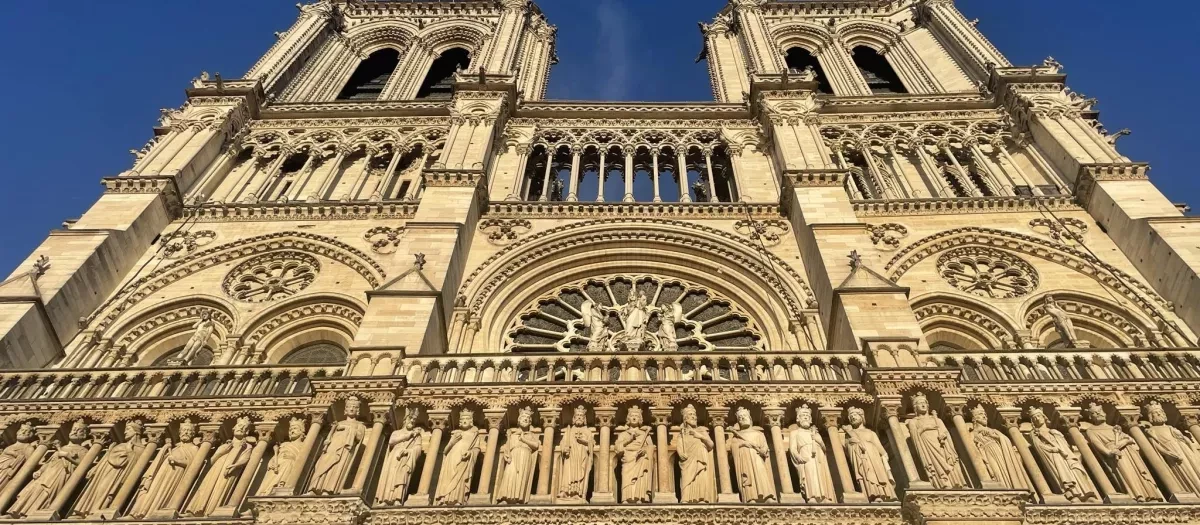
(341, 448)
(575, 459)
(635, 316)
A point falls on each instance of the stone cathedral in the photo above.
(885, 277)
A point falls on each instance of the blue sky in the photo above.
(84, 79)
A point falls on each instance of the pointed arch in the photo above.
(964, 323)
(283, 328)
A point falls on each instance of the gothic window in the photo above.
(439, 82)
(371, 76)
(876, 70)
(632, 314)
(798, 59)
(322, 353)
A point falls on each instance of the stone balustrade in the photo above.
(639, 366)
(17, 385)
(1070, 364)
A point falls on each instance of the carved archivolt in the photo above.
(987, 273)
(632, 313)
(311, 313)
(1067, 230)
(305, 243)
(963, 323)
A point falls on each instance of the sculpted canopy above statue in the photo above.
(622, 313)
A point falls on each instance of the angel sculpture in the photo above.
(596, 321)
(635, 319)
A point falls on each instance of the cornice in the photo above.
(579, 210)
(324, 211)
(876, 514)
(571, 109)
(363, 109)
(902, 207)
(836, 7)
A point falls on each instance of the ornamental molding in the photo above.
(641, 515)
(1065, 230)
(351, 314)
(303, 242)
(948, 206)
(184, 314)
(639, 124)
(817, 178)
(618, 228)
(1112, 514)
(1147, 299)
(639, 210)
(1091, 174)
(452, 178)
(181, 243)
(896, 382)
(826, 394)
(502, 232)
(384, 239)
(925, 506)
(769, 232)
(308, 510)
(161, 410)
(889, 234)
(265, 212)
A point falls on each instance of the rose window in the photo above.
(987, 273)
(632, 314)
(272, 276)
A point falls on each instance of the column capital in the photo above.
(774, 416)
(1070, 415)
(830, 416)
(265, 430)
(494, 417)
(155, 432)
(605, 416)
(1189, 415)
(550, 416)
(1129, 416)
(438, 418)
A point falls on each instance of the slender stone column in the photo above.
(830, 416)
(248, 173)
(629, 151)
(414, 189)
(265, 431)
(154, 436)
(712, 183)
(876, 175)
(1191, 418)
(1012, 424)
(272, 172)
(208, 433)
(177, 144)
(495, 417)
(982, 161)
(388, 175)
(306, 172)
(1070, 417)
(962, 175)
(437, 420)
(549, 424)
(1128, 417)
(352, 193)
(604, 493)
(665, 491)
(681, 173)
(774, 423)
(899, 437)
(57, 508)
(370, 449)
(310, 443)
(654, 173)
(956, 407)
(724, 485)
(545, 196)
(898, 169)
(45, 436)
(931, 170)
(603, 172)
(999, 145)
(330, 177)
(573, 192)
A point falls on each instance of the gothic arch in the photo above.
(1148, 301)
(373, 36)
(468, 34)
(964, 323)
(870, 33)
(301, 321)
(308, 243)
(1096, 319)
(806, 35)
(152, 334)
(774, 295)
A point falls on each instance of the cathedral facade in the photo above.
(885, 277)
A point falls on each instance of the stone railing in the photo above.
(266, 380)
(1071, 364)
(642, 366)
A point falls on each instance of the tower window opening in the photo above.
(798, 59)
(876, 70)
(371, 76)
(439, 82)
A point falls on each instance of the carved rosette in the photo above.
(502, 232)
(767, 231)
(272, 276)
(987, 272)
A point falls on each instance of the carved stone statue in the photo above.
(16, 454)
(1121, 457)
(635, 315)
(458, 461)
(668, 316)
(635, 448)
(109, 473)
(575, 456)
(405, 447)
(596, 320)
(1181, 454)
(1062, 321)
(202, 330)
(518, 459)
(287, 457)
(996, 451)
(697, 471)
(53, 474)
(806, 449)
(157, 489)
(868, 458)
(751, 457)
(935, 447)
(1061, 459)
(339, 452)
(224, 468)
